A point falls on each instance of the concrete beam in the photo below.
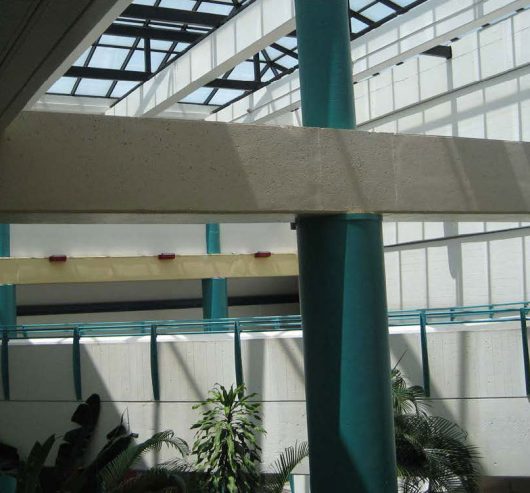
(54, 164)
(122, 269)
(255, 28)
(39, 40)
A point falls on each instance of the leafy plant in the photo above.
(226, 447)
(226, 450)
(431, 451)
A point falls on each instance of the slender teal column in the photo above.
(342, 290)
(8, 304)
(214, 291)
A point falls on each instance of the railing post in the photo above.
(526, 362)
(76, 362)
(238, 360)
(452, 317)
(155, 381)
(425, 354)
(291, 483)
(5, 363)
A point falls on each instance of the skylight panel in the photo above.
(107, 39)
(360, 4)
(273, 52)
(198, 96)
(243, 71)
(104, 57)
(223, 96)
(122, 87)
(157, 44)
(213, 8)
(378, 12)
(177, 4)
(93, 87)
(404, 3)
(63, 86)
(144, 2)
(288, 42)
(288, 61)
(82, 59)
(357, 25)
(156, 59)
(137, 61)
(267, 76)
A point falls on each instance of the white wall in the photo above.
(476, 379)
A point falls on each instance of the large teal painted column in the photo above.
(214, 291)
(342, 290)
(8, 304)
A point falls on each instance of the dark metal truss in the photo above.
(161, 34)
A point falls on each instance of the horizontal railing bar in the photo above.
(456, 315)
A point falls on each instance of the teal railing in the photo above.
(499, 312)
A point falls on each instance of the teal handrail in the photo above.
(494, 313)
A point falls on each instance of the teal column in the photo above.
(342, 290)
(8, 304)
(214, 291)
(347, 368)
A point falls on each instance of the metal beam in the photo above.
(124, 269)
(153, 33)
(106, 74)
(257, 26)
(162, 14)
(242, 85)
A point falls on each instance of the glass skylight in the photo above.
(150, 34)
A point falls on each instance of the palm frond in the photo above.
(432, 450)
(283, 466)
(114, 471)
(406, 399)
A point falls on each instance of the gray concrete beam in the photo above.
(40, 39)
(58, 166)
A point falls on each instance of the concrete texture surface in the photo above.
(89, 164)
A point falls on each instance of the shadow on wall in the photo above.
(43, 392)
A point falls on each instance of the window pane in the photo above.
(108, 57)
(93, 87)
(122, 87)
(63, 86)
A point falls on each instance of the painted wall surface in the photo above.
(477, 380)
